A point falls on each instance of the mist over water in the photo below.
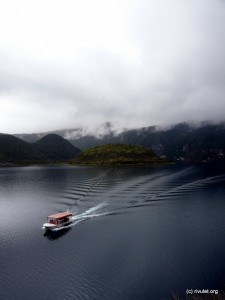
(136, 233)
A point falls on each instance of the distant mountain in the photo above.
(85, 136)
(180, 142)
(114, 154)
(52, 148)
(30, 138)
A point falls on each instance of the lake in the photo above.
(138, 232)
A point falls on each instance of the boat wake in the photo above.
(121, 191)
(88, 214)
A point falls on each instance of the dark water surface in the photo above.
(139, 232)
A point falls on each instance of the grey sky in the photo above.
(71, 63)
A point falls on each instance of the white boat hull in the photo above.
(50, 226)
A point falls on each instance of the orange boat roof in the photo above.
(60, 215)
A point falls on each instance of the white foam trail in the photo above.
(88, 212)
(97, 207)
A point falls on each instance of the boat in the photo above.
(57, 220)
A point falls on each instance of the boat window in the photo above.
(52, 221)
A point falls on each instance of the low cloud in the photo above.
(146, 63)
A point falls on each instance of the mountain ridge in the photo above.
(180, 142)
(14, 151)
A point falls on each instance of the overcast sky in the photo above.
(70, 63)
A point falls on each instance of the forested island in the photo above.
(117, 154)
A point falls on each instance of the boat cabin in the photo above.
(60, 218)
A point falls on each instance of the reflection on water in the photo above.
(137, 232)
(54, 235)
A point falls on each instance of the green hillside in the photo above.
(111, 154)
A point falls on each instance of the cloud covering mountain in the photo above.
(66, 64)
